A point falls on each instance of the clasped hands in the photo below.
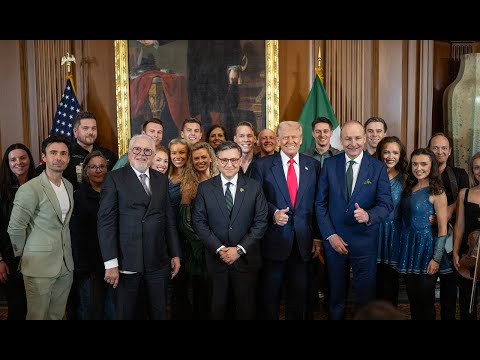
(228, 255)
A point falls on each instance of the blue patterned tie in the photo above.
(229, 198)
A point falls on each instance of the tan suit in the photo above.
(42, 239)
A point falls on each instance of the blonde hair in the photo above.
(191, 176)
(176, 141)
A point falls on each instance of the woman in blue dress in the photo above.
(422, 253)
(391, 151)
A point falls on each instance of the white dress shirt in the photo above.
(355, 167)
(233, 186)
(286, 165)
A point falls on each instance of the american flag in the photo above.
(66, 111)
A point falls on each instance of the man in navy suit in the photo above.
(348, 214)
(289, 181)
(230, 217)
(137, 233)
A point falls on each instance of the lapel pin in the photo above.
(241, 190)
(306, 168)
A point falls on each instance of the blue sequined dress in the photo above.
(417, 239)
(389, 230)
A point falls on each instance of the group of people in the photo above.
(228, 229)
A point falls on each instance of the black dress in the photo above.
(472, 222)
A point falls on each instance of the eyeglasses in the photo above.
(137, 150)
(96, 168)
(233, 161)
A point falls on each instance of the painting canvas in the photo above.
(217, 81)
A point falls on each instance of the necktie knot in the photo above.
(291, 162)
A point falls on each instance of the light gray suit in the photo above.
(42, 239)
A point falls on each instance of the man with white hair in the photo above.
(137, 233)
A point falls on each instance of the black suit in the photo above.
(140, 231)
(245, 227)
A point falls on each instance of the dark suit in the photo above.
(335, 216)
(245, 227)
(140, 231)
(287, 250)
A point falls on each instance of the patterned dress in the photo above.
(389, 230)
(417, 239)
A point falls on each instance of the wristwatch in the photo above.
(240, 251)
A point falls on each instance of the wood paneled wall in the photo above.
(399, 80)
(12, 114)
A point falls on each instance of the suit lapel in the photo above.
(362, 176)
(70, 198)
(279, 176)
(305, 176)
(52, 197)
(342, 177)
(239, 196)
(219, 195)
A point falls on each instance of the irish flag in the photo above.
(317, 105)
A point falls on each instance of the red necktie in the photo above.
(292, 182)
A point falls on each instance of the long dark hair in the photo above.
(435, 182)
(8, 180)
(402, 164)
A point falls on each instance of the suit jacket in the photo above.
(37, 231)
(245, 227)
(372, 193)
(278, 240)
(138, 230)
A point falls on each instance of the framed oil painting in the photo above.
(217, 81)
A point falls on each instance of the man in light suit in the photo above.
(353, 197)
(230, 217)
(289, 181)
(137, 232)
(40, 234)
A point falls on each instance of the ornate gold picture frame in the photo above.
(125, 74)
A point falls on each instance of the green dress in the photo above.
(195, 251)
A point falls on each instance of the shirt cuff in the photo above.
(243, 249)
(220, 248)
(328, 238)
(110, 264)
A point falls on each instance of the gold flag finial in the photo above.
(318, 69)
(68, 59)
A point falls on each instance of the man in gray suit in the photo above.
(40, 234)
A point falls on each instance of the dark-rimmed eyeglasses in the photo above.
(233, 161)
(137, 150)
(96, 168)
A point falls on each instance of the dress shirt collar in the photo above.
(358, 159)
(138, 173)
(286, 158)
(225, 181)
